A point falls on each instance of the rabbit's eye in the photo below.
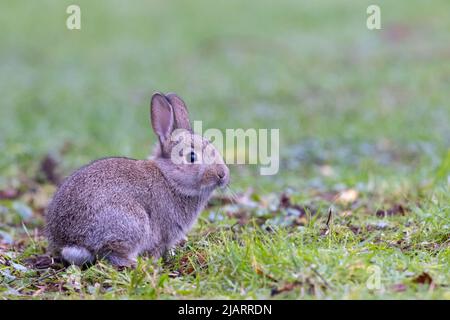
(191, 157)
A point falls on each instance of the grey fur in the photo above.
(119, 208)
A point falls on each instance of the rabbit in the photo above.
(119, 208)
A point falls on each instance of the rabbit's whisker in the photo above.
(233, 196)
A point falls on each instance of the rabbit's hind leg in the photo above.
(121, 234)
(122, 261)
(120, 254)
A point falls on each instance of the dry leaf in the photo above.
(348, 196)
(43, 262)
(397, 209)
(286, 203)
(9, 193)
(346, 213)
(187, 267)
(49, 169)
(423, 278)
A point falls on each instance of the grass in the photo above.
(363, 118)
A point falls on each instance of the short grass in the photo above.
(364, 129)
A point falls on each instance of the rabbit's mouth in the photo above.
(223, 182)
(219, 183)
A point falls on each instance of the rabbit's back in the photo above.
(99, 202)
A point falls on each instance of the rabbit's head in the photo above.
(191, 163)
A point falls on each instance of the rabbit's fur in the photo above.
(119, 208)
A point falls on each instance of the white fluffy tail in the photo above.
(76, 255)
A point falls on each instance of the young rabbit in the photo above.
(119, 208)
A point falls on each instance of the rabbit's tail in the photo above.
(76, 255)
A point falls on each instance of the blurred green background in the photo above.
(353, 105)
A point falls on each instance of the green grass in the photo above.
(357, 110)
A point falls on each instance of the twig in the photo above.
(321, 278)
(329, 222)
(330, 217)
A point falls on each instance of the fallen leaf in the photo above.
(355, 229)
(43, 262)
(188, 260)
(346, 213)
(301, 221)
(397, 209)
(9, 194)
(348, 196)
(286, 203)
(423, 278)
(48, 168)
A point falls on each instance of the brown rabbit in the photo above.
(118, 208)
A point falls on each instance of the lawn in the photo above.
(360, 208)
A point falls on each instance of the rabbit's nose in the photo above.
(222, 175)
(221, 172)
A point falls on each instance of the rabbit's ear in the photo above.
(161, 116)
(180, 112)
